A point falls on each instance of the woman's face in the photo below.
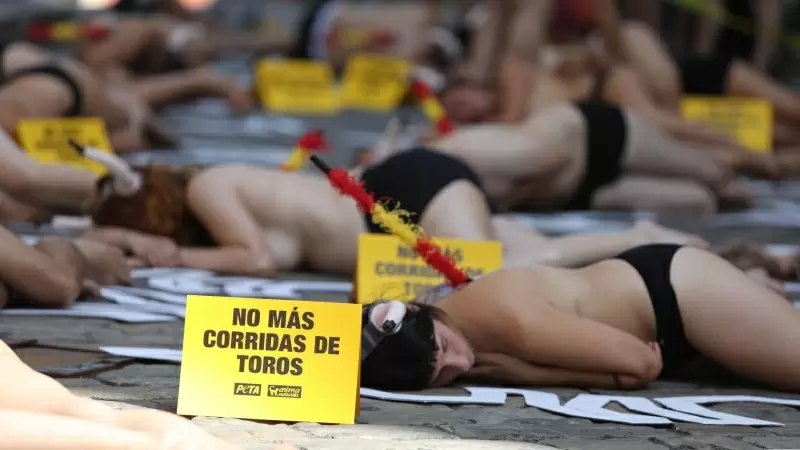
(454, 355)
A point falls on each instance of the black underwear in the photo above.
(704, 75)
(606, 138)
(413, 178)
(77, 105)
(653, 262)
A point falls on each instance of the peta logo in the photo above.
(249, 389)
(285, 391)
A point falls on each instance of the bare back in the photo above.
(303, 218)
(494, 322)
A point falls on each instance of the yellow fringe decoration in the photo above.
(296, 159)
(432, 109)
(394, 222)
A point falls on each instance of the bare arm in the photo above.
(48, 274)
(709, 27)
(519, 68)
(768, 14)
(491, 43)
(554, 338)
(242, 244)
(508, 370)
(58, 187)
(610, 25)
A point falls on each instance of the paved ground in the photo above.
(210, 137)
(387, 425)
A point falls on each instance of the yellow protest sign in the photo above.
(295, 361)
(47, 140)
(748, 120)
(297, 87)
(376, 83)
(388, 269)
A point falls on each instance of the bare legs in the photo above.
(737, 322)
(747, 81)
(160, 90)
(30, 401)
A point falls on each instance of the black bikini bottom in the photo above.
(412, 179)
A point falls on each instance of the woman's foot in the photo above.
(106, 265)
(735, 195)
(242, 101)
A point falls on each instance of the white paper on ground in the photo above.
(154, 354)
(137, 303)
(94, 310)
(692, 405)
(149, 294)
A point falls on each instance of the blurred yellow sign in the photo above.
(374, 83)
(748, 120)
(47, 140)
(297, 87)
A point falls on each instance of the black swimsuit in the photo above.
(606, 139)
(653, 263)
(50, 69)
(413, 178)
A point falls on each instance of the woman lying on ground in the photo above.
(138, 48)
(619, 323)
(56, 270)
(593, 155)
(35, 84)
(222, 220)
(31, 402)
(666, 78)
(574, 74)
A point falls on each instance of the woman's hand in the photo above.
(106, 265)
(657, 361)
(155, 251)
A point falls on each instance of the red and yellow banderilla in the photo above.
(431, 106)
(310, 142)
(392, 221)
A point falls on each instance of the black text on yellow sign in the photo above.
(373, 82)
(47, 140)
(748, 120)
(297, 87)
(286, 360)
(388, 269)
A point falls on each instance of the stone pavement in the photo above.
(386, 425)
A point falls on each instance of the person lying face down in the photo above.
(31, 402)
(35, 83)
(592, 155)
(619, 323)
(245, 220)
(621, 63)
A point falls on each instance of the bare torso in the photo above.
(515, 161)
(495, 311)
(303, 218)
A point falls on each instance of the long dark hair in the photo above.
(406, 360)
